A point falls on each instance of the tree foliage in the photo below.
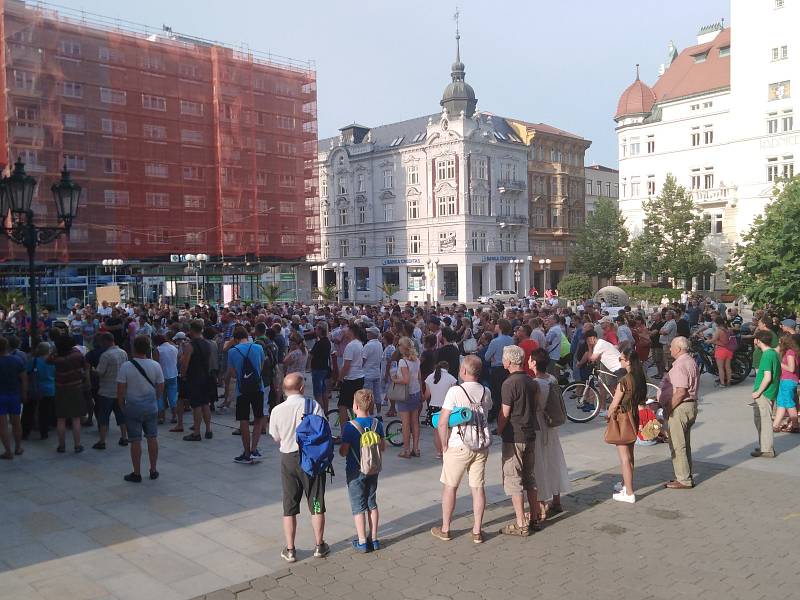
(575, 286)
(642, 256)
(270, 292)
(674, 232)
(765, 267)
(388, 289)
(601, 243)
(326, 293)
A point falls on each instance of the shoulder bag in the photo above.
(620, 429)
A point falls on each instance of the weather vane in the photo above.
(455, 18)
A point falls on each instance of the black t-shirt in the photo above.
(451, 354)
(427, 363)
(117, 333)
(519, 392)
(684, 328)
(321, 354)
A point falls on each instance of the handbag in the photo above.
(398, 392)
(620, 429)
(470, 345)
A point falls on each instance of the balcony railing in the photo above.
(714, 195)
(512, 219)
(510, 185)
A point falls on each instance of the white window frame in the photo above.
(152, 102)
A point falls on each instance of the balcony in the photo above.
(515, 220)
(714, 196)
(30, 134)
(510, 185)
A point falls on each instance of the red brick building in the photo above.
(182, 145)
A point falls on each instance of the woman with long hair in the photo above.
(436, 386)
(631, 392)
(722, 354)
(785, 403)
(70, 400)
(408, 373)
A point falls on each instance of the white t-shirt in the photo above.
(372, 356)
(456, 398)
(439, 390)
(285, 418)
(139, 390)
(354, 352)
(609, 355)
(413, 374)
(168, 359)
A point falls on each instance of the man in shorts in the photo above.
(294, 481)
(242, 351)
(196, 371)
(457, 458)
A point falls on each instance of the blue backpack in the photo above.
(315, 441)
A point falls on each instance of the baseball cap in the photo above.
(179, 336)
(606, 319)
(791, 323)
(374, 331)
(434, 320)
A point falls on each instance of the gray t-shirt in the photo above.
(140, 392)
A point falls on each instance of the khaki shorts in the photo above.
(517, 464)
(457, 461)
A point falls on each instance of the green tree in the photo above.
(602, 241)
(270, 292)
(674, 232)
(642, 256)
(575, 287)
(326, 293)
(765, 267)
(388, 289)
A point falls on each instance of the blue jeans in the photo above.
(170, 394)
(363, 492)
(104, 407)
(318, 380)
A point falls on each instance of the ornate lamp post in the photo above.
(338, 267)
(16, 197)
(544, 263)
(433, 267)
(112, 263)
(516, 262)
(194, 262)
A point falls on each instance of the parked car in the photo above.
(498, 296)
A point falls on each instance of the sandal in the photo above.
(6, 456)
(415, 453)
(19, 451)
(391, 413)
(404, 454)
(177, 430)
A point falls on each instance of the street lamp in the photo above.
(112, 263)
(516, 262)
(338, 267)
(433, 267)
(16, 197)
(544, 263)
(194, 262)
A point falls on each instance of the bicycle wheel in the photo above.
(333, 420)
(581, 402)
(652, 391)
(394, 432)
(739, 370)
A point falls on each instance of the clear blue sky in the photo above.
(562, 63)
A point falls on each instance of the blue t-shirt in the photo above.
(45, 375)
(10, 368)
(236, 360)
(494, 353)
(350, 435)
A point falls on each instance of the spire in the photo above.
(637, 71)
(457, 70)
(458, 97)
(458, 37)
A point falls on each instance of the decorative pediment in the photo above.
(385, 163)
(413, 191)
(444, 185)
(342, 171)
(361, 199)
(387, 195)
(342, 201)
(479, 185)
(324, 203)
(360, 168)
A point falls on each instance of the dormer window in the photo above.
(701, 57)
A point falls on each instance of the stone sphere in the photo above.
(613, 295)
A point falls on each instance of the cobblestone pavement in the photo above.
(727, 538)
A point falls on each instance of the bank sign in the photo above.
(401, 261)
(498, 258)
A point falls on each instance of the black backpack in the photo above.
(270, 360)
(248, 379)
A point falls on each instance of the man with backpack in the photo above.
(293, 424)
(268, 369)
(363, 444)
(245, 361)
(465, 447)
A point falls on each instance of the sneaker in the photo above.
(760, 454)
(374, 544)
(587, 408)
(133, 478)
(289, 555)
(603, 413)
(192, 437)
(442, 535)
(209, 435)
(99, 446)
(243, 459)
(123, 441)
(361, 548)
(619, 486)
(236, 432)
(624, 496)
(321, 550)
(256, 455)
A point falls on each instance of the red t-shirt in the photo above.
(528, 346)
(611, 337)
(645, 416)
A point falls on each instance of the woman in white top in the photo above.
(408, 373)
(436, 386)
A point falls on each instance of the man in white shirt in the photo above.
(283, 423)
(351, 374)
(104, 310)
(112, 358)
(608, 355)
(372, 359)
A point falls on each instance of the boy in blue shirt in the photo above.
(362, 488)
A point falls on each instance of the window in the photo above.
(480, 169)
(608, 190)
(285, 122)
(157, 200)
(116, 236)
(362, 214)
(194, 202)
(114, 126)
(446, 206)
(416, 279)
(323, 186)
(412, 175)
(344, 248)
(599, 187)
(700, 57)
(716, 223)
(651, 186)
(787, 121)
(324, 217)
(779, 90)
(154, 132)
(446, 168)
(447, 240)
(156, 170)
(695, 179)
(780, 53)
(23, 35)
(388, 179)
(478, 204)
(228, 112)
(109, 96)
(413, 208)
(778, 3)
(115, 165)
(537, 217)
(69, 48)
(474, 239)
(788, 167)
(189, 71)
(634, 187)
(110, 55)
(342, 215)
(708, 135)
(695, 136)
(193, 173)
(72, 89)
(588, 187)
(195, 238)
(152, 63)
(26, 113)
(189, 136)
(624, 188)
(116, 198)
(415, 244)
(506, 207)
(191, 108)
(772, 123)
(634, 147)
(286, 181)
(362, 246)
(326, 249)
(75, 162)
(724, 51)
(651, 144)
(360, 183)
(157, 235)
(388, 213)
(72, 121)
(154, 102)
(623, 148)
(342, 181)
(391, 275)
(708, 104)
(508, 172)
(389, 245)
(708, 181)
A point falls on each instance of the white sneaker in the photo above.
(619, 486)
(603, 413)
(624, 496)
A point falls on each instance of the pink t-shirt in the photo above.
(788, 374)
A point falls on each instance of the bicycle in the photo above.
(582, 400)
(392, 430)
(704, 356)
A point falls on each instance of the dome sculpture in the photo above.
(612, 295)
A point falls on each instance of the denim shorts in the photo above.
(170, 396)
(363, 492)
(10, 404)
(374, 385)
(141, 420)
(319, 379)
(104, 406)
(786, 394)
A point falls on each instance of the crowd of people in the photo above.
(487, 371)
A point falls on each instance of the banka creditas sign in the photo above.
(401, 261)
(497, 258)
